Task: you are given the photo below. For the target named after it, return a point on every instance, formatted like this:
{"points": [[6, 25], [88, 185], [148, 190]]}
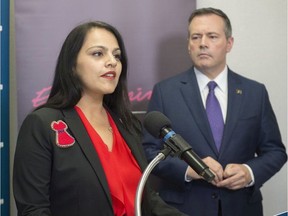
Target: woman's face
{"points": [[98, 63]]}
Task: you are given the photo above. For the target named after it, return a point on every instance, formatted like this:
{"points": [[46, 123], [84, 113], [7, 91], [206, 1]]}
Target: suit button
{"points": [[214, 196]]}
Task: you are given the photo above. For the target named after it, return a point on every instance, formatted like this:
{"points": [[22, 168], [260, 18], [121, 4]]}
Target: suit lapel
{"points": [[192, 98], [235, 97], [79, 132]]}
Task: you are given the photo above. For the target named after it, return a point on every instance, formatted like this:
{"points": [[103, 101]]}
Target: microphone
{"points": [[158, 125]]}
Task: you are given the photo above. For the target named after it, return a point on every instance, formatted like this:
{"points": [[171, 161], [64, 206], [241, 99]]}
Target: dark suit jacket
{"points": [[251, 128], [49, 180]]}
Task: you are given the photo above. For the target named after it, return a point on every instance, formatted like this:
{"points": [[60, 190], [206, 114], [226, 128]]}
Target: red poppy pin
{"points": [[63, 138]]}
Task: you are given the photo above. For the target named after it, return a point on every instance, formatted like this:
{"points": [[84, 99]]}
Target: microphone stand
{"points": [[161, 156]]}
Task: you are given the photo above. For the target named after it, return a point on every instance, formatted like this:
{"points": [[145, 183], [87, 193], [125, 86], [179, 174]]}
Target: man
{"points": [[243, 147]]}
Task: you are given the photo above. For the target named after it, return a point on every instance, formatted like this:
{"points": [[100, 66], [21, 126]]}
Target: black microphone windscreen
{"points": [[154, 121]]}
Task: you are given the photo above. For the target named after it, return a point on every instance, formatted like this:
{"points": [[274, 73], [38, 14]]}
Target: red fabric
{"points": [[121, 169]]}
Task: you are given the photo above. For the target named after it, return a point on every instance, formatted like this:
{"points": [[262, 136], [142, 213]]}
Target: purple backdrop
{"points": [[154, 32]]}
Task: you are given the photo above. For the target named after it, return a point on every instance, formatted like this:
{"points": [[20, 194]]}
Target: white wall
{"points": [[260, 53]]}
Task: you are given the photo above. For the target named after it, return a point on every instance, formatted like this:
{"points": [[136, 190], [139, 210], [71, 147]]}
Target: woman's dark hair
{"points": [[218, 12], [66, 89]]}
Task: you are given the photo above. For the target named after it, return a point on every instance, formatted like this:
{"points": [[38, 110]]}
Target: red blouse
{"points": [[121, 169]]}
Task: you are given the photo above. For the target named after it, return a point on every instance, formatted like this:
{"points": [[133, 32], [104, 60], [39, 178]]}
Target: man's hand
{"points": [[235, 176], [214, 166]]}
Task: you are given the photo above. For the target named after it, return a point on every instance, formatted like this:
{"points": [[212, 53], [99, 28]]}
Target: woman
{"points": [[80, 153]]}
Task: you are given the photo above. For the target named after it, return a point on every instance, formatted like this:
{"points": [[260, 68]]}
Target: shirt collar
{"points": [[221, 80]]}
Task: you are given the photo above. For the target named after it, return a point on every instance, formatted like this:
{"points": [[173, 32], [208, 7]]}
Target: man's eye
{"points": [[195, 37]]}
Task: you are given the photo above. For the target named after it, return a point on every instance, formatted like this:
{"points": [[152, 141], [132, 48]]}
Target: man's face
{"points": [[208, 45]]}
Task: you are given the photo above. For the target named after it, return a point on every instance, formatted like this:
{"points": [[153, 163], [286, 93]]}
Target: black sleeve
{"points": [[32, 168]]}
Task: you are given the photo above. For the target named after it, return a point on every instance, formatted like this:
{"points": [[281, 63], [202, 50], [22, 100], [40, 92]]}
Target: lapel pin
{"points": [[63, 138], [239, 91]]}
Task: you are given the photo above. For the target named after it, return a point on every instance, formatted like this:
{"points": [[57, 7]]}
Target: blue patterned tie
{"points": [[214, 114]]}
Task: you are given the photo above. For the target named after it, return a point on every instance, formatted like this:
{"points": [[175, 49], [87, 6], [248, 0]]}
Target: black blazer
{"points": [[50, 180]]}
